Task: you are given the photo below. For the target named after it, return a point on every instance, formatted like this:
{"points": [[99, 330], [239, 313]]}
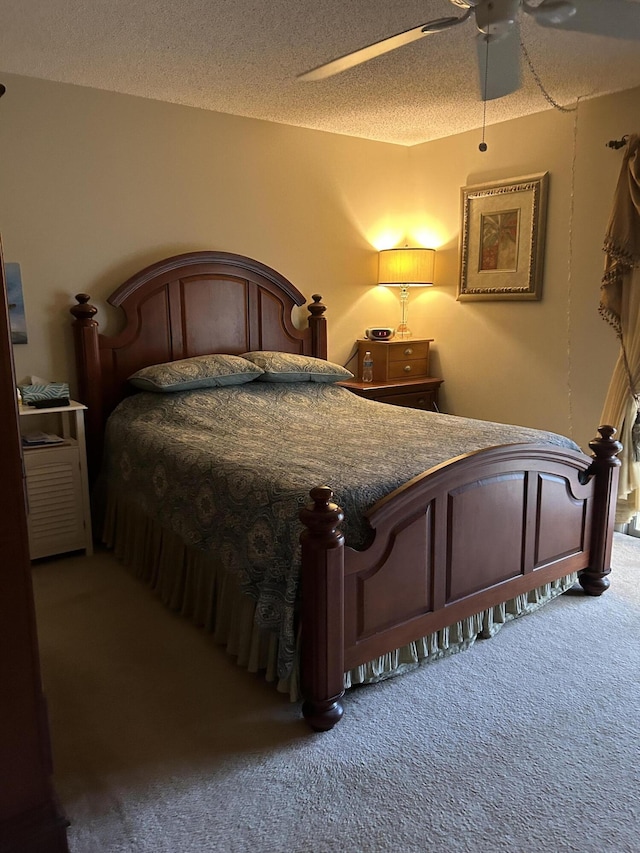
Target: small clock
{"points": [[380, 333]]}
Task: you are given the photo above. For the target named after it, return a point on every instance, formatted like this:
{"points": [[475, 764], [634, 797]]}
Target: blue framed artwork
{"points": [[17, 317]]}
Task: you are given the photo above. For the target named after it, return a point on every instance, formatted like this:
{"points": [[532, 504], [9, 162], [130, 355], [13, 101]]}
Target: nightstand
{"points": [[419, 393], [59, 513]]}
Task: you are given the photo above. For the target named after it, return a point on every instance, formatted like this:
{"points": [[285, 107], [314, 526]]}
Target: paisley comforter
{"points": [[228, 469]]}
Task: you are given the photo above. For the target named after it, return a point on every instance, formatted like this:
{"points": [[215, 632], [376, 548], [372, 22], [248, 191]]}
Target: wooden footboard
{"points": [[461, 538]]}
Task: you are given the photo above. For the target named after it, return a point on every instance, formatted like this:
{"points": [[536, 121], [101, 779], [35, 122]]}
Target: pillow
{"points": [[201, 371], [287, 367]]}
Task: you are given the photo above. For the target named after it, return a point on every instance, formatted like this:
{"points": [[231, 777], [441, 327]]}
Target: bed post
{"points": [[318, 325], [605, 469], [85, 334], [322, 612]]}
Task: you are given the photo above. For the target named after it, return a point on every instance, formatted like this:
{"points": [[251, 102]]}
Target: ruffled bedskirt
{"points": [[195, 584]]}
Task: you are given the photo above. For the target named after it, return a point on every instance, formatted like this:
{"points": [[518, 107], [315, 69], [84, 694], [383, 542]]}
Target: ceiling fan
{"points": [[498, 37]]}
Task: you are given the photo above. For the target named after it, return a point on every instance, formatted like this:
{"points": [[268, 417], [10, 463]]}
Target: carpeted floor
{"points": [[526, 743]]}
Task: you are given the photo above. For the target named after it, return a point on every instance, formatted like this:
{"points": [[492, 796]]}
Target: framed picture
{"points": [[502, 239], [17, 317]]}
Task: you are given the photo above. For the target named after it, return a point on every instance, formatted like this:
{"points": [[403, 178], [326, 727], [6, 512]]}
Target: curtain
{"points": [[620, 306]]}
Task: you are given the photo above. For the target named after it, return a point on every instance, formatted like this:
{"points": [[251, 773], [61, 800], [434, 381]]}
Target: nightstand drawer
{"points": [[419, 393], [420, 400], [409, 368], [407, 350]]}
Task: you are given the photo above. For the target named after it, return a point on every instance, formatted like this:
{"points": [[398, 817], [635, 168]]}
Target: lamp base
{"points": [[403, 330]]}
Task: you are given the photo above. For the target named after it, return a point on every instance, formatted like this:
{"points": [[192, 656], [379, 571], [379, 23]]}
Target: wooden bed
{"points": [[462, 537]]}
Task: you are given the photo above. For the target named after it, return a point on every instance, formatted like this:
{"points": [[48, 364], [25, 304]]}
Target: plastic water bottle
{"points": [[367, 367]]}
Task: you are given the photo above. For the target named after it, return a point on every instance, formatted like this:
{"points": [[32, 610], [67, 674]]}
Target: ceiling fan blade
{"points": [[613, 18], [378, 48], [498, 64]]}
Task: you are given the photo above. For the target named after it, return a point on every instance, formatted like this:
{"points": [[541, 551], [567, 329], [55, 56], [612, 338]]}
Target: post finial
{"points": [[83, 311], [316, 308], [605, 446], [323, 517]]}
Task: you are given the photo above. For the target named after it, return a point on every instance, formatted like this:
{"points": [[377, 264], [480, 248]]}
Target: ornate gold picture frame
{"points": [[502, 239]]}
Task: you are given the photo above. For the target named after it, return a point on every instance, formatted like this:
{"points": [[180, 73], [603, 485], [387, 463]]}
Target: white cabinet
{"points": [[59, 513]]}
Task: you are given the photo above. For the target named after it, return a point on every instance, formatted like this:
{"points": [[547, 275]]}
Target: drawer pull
{"points": [[407, 368], [408, 351]]}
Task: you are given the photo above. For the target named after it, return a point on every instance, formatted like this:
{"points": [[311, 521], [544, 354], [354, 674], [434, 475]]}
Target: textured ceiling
{"points": [[242, 57]]}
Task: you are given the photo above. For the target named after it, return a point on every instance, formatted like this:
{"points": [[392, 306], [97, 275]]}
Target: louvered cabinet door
{"points": [[59, 512], [56, 518]]}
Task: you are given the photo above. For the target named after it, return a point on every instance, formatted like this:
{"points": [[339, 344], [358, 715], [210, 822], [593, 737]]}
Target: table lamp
{"points": [[405, 268]]}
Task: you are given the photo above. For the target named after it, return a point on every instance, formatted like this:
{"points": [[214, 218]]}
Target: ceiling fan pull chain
{"points": [[483, 145], [536, 77]]}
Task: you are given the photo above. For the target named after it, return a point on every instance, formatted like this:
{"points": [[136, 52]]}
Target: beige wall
{"points": [[95, 186], [548, 363]]}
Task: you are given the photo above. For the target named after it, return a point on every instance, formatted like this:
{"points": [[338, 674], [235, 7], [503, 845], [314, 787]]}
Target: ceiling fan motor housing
{"points": [[496, 17]]}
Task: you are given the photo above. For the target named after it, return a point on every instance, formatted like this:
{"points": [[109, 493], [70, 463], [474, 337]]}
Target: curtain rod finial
{"points": [[618, 143]]}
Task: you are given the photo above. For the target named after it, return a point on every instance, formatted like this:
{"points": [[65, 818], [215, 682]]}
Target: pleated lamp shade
{"points": [[406, 266]]}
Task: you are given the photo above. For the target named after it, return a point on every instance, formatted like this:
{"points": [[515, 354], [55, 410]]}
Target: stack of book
{"points": [[40, 439]]}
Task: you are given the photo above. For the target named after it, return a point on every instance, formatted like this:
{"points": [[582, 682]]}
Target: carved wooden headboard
{"points": [[186, 305]]}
